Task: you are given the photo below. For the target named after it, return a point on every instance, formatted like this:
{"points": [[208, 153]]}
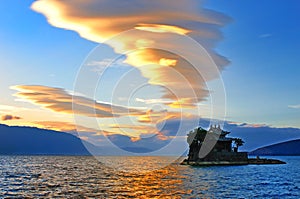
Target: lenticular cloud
{"points": [[155, 23]]}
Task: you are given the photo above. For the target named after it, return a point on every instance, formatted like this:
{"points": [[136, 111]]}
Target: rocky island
{"points": [[222, 150]]}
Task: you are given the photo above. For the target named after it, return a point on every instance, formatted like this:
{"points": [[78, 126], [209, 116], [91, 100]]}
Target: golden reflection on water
{"points": [[137, 164], [164, 183], [148, 177], [85, 177]]}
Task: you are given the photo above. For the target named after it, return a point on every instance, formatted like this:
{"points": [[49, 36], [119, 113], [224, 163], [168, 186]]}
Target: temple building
{"points": [[225, 148], [218, 149]]}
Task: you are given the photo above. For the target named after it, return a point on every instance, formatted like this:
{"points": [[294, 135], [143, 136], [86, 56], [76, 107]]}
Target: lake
{"points": [[85, 177]]}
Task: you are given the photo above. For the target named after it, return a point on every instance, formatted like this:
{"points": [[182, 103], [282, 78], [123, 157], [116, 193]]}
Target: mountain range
{"points": [[284, 148], [16, 140]]}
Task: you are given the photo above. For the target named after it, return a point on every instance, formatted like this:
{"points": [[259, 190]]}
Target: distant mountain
{"points": [[284, 148], [16, 140]]}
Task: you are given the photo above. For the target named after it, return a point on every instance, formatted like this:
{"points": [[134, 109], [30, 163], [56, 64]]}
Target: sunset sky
{"points": [[254, 45]]}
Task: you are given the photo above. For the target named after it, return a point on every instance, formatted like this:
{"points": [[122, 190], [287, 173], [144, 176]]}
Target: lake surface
{"points": [[85, 177]]}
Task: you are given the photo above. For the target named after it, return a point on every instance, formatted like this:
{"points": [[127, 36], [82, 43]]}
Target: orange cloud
{"points": [[63, 126], [136, 127], [162, 28], [135, 139], [135, 130], [155, 24], [154, 117], [59, 100], [10, 117], [99, 20]]}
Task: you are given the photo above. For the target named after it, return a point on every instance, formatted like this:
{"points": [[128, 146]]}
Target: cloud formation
{"points": [[265, 35], [294, 106], [155, 117], [155, 24], [10, 117], [64, 126], [254, 135], [59, 100]]}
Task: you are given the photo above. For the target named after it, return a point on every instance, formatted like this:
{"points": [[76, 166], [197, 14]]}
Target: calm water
{"points": [[85, 177]]}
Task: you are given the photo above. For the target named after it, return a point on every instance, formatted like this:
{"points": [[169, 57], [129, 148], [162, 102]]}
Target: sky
{"points": [[244, 68]]}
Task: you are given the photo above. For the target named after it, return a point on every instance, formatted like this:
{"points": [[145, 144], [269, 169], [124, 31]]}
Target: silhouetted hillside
{"points": [[34, 141], [284, 148]]}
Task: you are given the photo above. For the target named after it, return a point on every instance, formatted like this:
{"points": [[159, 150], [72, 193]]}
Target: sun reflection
{"points": [[162, 183]]}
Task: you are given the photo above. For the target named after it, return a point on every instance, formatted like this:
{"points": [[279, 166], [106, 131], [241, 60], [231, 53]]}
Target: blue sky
{"points": [[263, 45], [261, 82]]}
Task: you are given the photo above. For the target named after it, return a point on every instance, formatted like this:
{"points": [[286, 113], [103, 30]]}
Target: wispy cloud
{"points": [[64, 126], [154, 117], [101, 65], [10, 117], [5, 108], [245, 125], [153, 101], [100, 20], [294, 106], [265, 35], [59, 100]]}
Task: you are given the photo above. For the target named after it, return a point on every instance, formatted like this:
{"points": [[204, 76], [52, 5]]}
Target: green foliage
{"points": [[196, 135], [238, 141]]}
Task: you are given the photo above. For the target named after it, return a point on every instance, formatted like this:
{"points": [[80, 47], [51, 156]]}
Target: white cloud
{"points": [[102, 65], [265, 35], [294, 106]]}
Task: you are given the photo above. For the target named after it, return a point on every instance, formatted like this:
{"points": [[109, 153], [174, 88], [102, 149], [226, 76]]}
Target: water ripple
{"points": [[85, 177]]}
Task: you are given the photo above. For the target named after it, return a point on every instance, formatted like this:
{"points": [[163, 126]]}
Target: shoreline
{"points": [[253, 161]]}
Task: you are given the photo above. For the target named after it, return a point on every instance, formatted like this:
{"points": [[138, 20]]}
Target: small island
{"points": [[224, 152]]}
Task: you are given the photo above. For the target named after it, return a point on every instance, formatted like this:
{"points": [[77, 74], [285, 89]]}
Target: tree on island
{"points": [[238, 142], [215, 135], [197, 135]]}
